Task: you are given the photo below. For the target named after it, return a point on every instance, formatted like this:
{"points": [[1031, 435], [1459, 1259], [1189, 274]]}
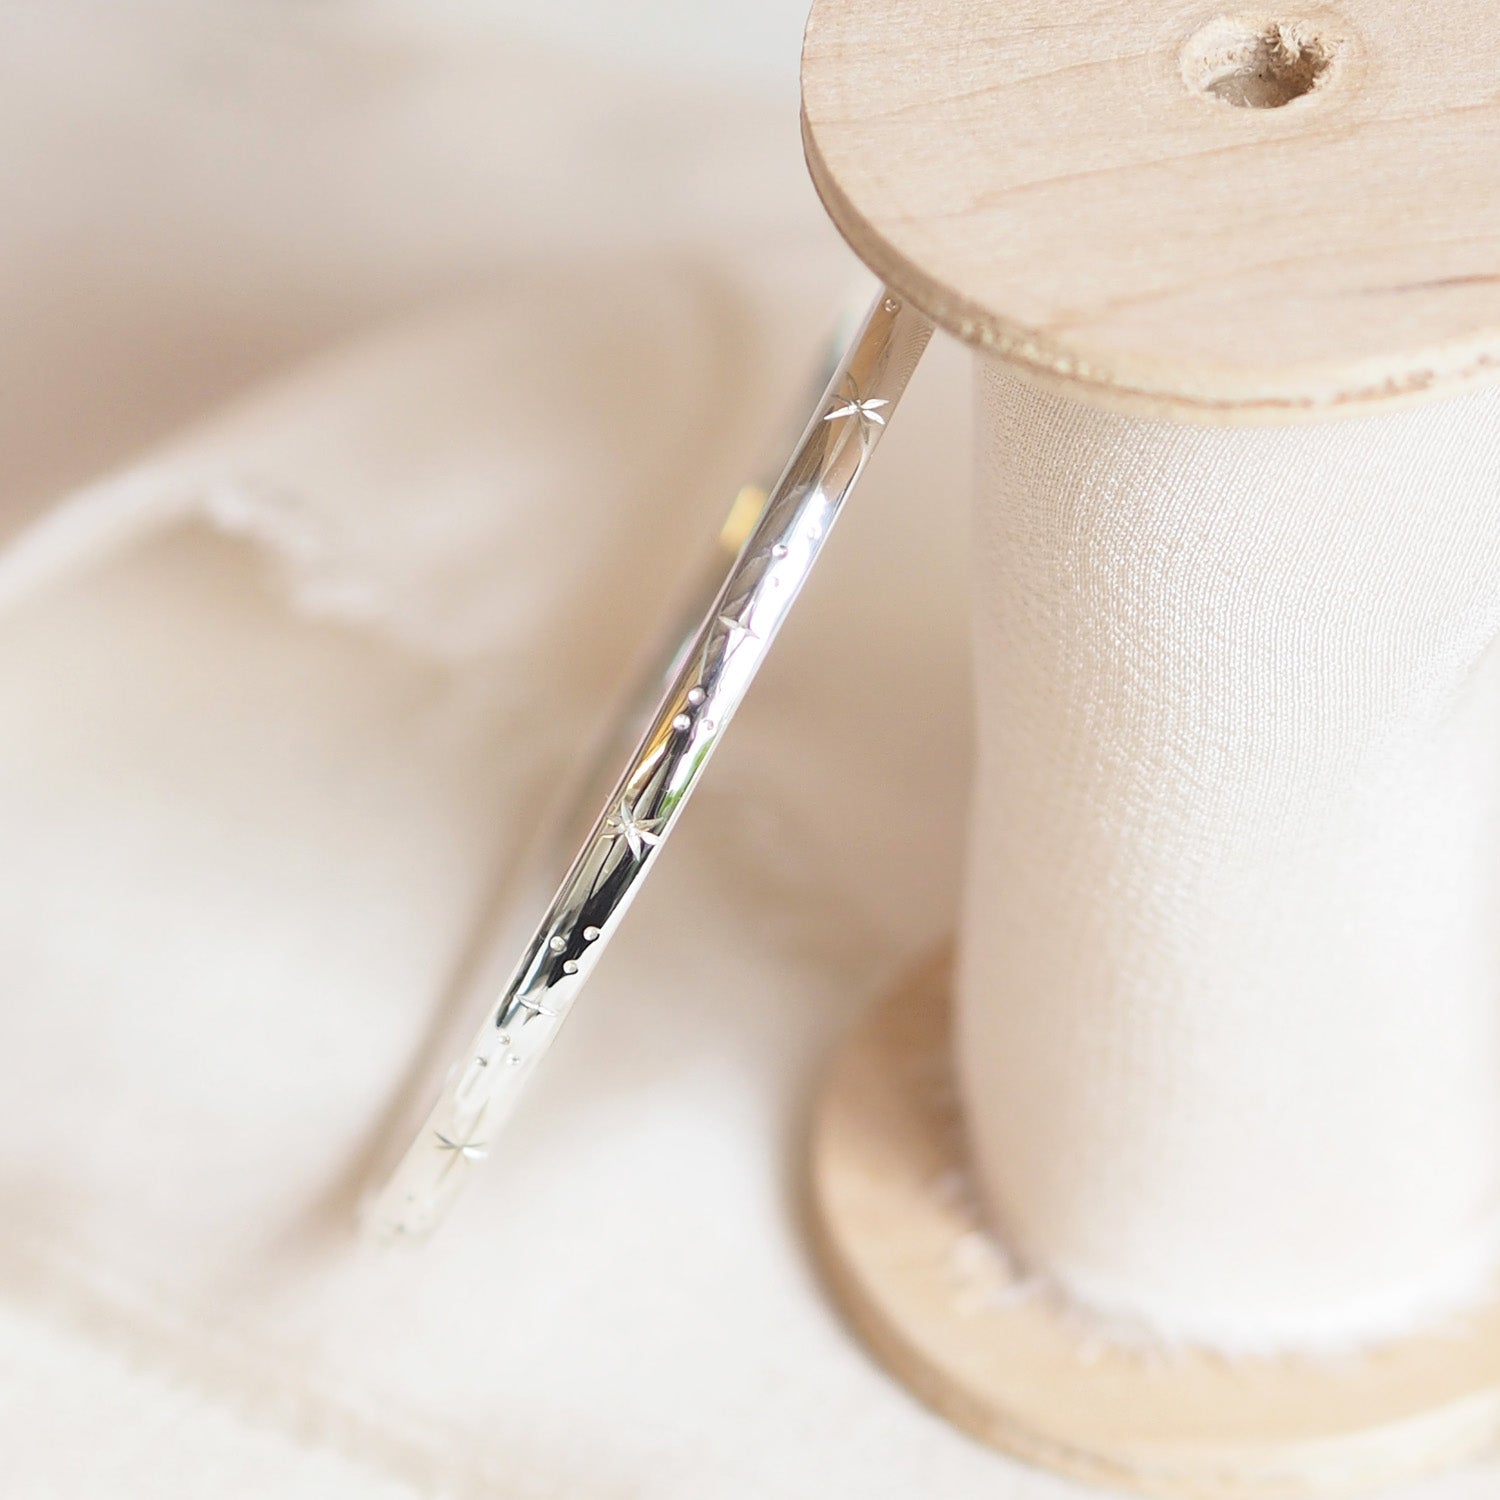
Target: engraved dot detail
{"points": [[779, 550], [557, 944], [696, 696], [682, 722], [571, 966], [590, 934]]}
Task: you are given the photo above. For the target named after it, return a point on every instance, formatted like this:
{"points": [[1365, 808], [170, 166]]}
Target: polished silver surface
{"points": [[710, 669]]}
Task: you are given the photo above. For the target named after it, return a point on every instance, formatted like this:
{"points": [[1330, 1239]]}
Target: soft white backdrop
{"points": [[358, 363], [756, 43]]}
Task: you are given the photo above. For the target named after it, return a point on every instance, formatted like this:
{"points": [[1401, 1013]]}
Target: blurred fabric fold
{"points": [[369, 383]]}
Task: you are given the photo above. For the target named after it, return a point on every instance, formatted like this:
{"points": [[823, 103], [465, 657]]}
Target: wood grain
{"points": [[934, 1299], [1066, 184]]}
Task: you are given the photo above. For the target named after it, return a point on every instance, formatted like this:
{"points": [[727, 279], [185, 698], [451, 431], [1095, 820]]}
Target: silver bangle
{"points": [[705, 682]]}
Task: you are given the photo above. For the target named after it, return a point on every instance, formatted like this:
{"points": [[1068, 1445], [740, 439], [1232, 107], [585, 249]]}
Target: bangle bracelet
{"points": [[705, 682]]}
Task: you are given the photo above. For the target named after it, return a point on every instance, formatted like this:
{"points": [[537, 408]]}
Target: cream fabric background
{"points": [[319, 462], [355, 363]]}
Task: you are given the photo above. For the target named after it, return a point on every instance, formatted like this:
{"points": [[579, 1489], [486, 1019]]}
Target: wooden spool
{"points": [[1231, 217], [1068, 185]]}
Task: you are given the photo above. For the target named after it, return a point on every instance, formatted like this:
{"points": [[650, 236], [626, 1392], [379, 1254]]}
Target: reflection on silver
{"points": [[704, 685]]}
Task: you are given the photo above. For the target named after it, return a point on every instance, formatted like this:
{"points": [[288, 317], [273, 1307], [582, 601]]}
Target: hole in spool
{"points": [[1254, 63]]}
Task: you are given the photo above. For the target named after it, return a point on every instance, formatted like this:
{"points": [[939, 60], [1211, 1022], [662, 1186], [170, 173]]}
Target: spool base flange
{"points": [[936, 1301]]}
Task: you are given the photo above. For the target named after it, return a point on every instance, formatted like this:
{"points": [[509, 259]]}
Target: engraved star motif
{"points": [[467, 1149], [626, 823], [533, 1008], [737, 627], [864, 409]]}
